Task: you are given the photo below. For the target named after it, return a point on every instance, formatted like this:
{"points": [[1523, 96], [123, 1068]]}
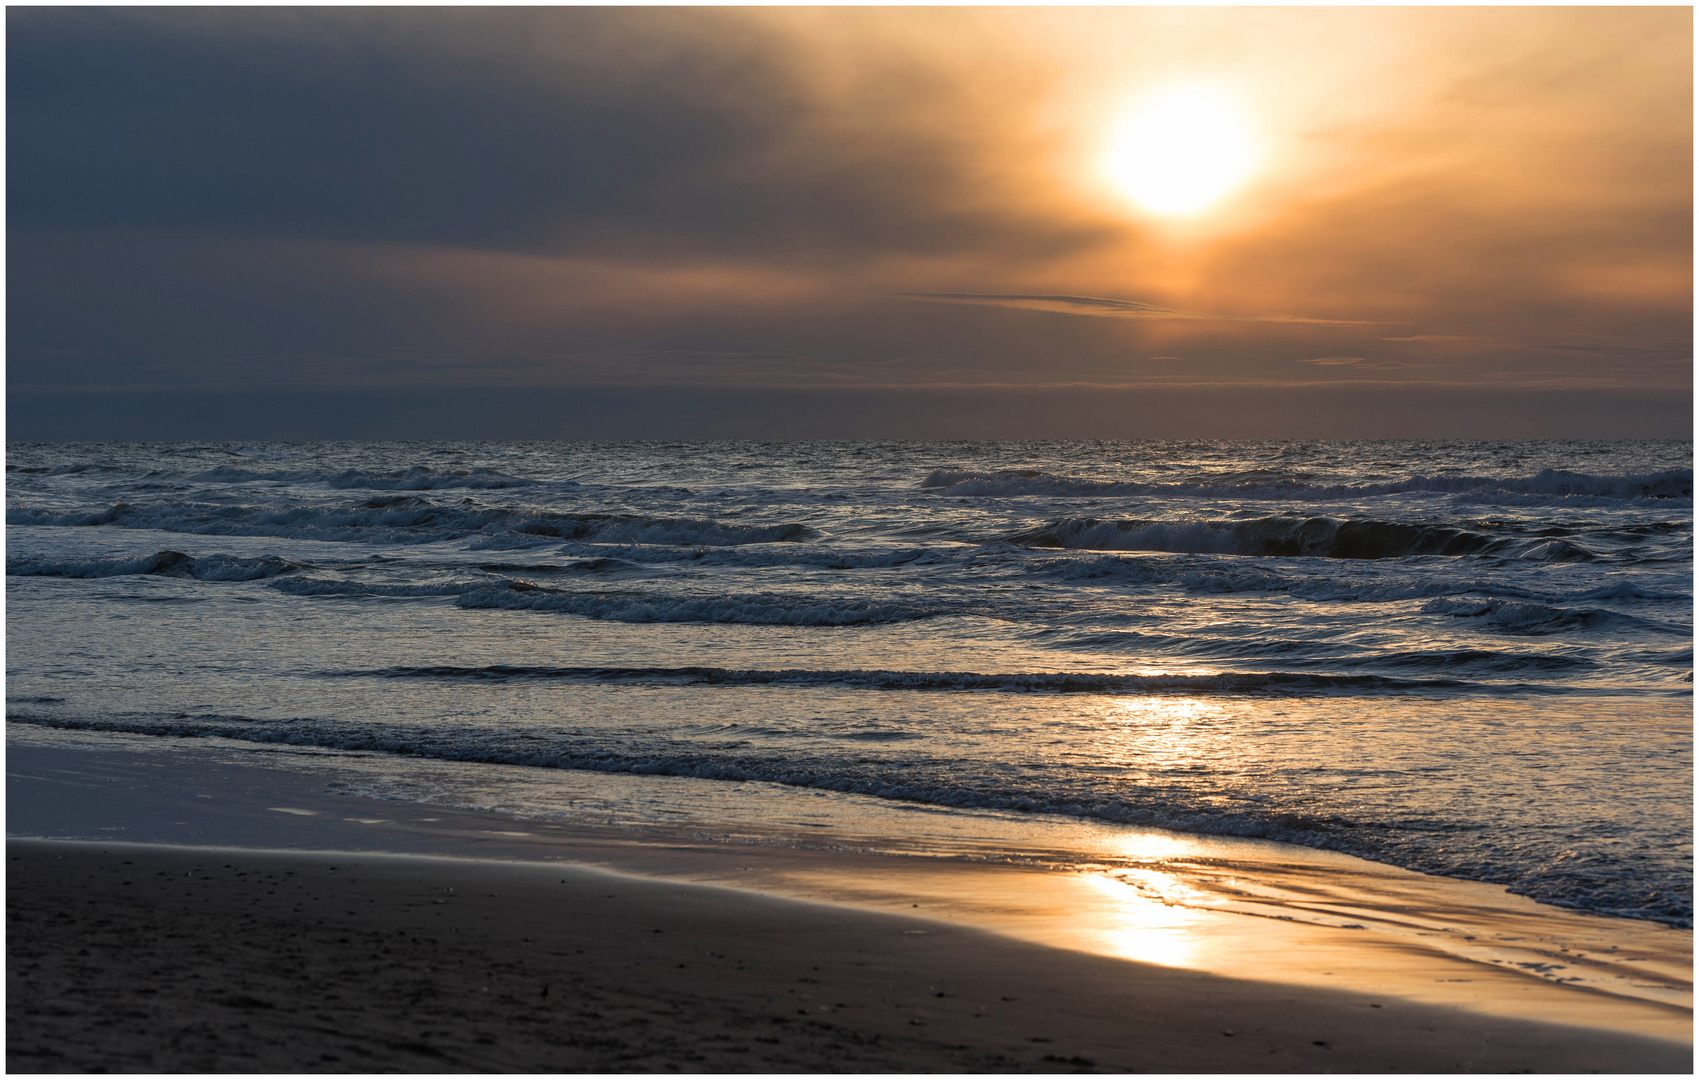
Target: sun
{"points": [[1180, 150]]}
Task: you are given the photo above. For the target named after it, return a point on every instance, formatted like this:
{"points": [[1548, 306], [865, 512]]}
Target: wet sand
{"points": [[150, 958], [173, 907]]}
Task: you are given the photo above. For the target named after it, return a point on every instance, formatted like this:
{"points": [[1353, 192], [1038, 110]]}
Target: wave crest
{"points": [[1527, 616], [161, 563], [762, 609], [416, 478], [1066, 682], [1274, 536], [1551, 483], [416, 520]]}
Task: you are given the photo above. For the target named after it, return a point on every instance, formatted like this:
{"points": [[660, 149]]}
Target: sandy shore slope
{"points": [[145, 958]]}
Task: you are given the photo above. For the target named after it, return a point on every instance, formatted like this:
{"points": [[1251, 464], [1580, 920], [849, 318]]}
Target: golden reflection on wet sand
{"points": [[1140, 928], [1243, 908], [1489, 952]]}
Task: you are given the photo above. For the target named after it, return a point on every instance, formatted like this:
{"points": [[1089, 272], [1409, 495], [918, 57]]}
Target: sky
{"points": [[849, 222]]}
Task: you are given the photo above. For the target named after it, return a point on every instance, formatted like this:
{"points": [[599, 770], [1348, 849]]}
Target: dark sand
{"points": [[169, 959]]}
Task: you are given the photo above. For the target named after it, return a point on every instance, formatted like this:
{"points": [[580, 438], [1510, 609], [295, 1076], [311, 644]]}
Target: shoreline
{"points": [[1279, 932], [238, 960]]}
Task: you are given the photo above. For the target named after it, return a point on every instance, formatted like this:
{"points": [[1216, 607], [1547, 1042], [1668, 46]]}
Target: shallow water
{"points": [[1466, 658]]}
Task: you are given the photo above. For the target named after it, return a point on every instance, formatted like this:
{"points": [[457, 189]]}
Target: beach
{"points": [[160, 959], [395, 938]]}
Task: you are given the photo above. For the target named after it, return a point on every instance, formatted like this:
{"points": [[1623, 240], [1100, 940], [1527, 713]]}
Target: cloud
{"points": [[458, 197], [1673, 351], [540, 130], [1359, 363], [1444, 338], [1108, 308], [1635, 349]]}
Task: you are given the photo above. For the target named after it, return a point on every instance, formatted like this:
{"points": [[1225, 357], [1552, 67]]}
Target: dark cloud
{"points": [[526, 129], [419, 126]]}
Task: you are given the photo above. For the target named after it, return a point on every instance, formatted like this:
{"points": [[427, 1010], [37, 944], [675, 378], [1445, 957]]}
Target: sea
{"points": [[1470, 659]]}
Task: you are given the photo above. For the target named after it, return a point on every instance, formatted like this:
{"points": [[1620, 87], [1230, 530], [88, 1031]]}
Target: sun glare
{"points": [[1181, 150]]}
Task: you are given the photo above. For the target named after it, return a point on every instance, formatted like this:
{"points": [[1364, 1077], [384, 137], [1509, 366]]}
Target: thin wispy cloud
{"points": [[1105, 307], [1362, 363], [1446, 339], [1674, 352]]}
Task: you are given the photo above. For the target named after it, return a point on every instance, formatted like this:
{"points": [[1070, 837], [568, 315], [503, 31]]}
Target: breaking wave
{"points": [[161, 563], [790, 555], [1531, 617], [417, 478], [1071, 682], [1552, 483], [302, 586], [414, 520], [1274, 536], [762, 609], [1220, 578]]}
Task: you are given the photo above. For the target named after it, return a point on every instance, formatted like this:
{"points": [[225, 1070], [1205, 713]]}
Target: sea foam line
{"points": [[1264, 682]]}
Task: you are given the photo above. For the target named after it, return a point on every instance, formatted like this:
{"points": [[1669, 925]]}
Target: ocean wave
{"points": [[599, 558], [510, 541], [672, 532], [761, 609], [1150, 570], [1530, 617], [161, 563], [416, 478], [1066, 682], [1269, 537], [1549, 483], [62, 470], [798, 555], [1388, 585], [301, 586], [1663, 657], [1630, 590], [600, 564], [414, 520], [1486, 660]]}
